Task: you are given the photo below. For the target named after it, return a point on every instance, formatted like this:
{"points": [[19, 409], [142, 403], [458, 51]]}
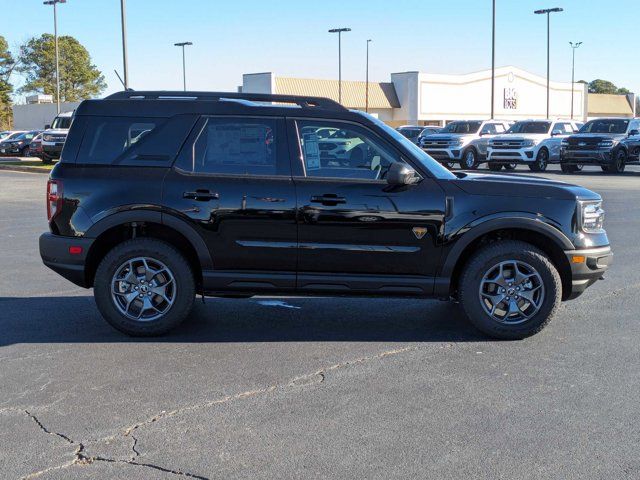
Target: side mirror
{"points": [[401, 174], [47, 126], [556, 133], [634, 132]]}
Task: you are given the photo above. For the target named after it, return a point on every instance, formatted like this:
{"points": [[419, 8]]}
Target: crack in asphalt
{"points": [[314, 378]]}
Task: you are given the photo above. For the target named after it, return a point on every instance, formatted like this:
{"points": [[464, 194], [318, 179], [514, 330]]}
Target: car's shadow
{"points": [[76, 320]]}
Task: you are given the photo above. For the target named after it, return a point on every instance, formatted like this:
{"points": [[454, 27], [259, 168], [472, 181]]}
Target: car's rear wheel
{"points": [[510, 289], [144, 287], [469, 159], [541, 161], [495, 167]]}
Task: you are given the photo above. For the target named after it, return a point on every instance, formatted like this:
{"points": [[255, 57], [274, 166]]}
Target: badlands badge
{"points": [[419, 232]]}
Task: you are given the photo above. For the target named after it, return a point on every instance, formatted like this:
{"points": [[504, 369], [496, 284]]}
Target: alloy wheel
{"points": [[511, 292], [143, 289]]}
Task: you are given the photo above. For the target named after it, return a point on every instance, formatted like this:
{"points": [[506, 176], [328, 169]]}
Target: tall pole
{"points": [[184, 69], [55, 36], [548, 11], [123, 15], [339, 32], [493, 59], [366, 101], [573, 69]]}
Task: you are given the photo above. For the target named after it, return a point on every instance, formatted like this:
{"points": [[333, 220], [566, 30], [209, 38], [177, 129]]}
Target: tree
{"points": [[79, 79], [605, 86], [6, 89]]}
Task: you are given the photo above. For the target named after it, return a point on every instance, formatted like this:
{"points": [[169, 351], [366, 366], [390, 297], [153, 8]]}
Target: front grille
{"points": [[56, 138], [506, 144], [437, 143]]}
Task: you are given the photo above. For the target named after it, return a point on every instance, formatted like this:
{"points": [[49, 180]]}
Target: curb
{"points": [[19, 168]]}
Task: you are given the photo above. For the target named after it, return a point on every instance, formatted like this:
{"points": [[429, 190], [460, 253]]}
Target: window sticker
{"points": [[311, 151]]}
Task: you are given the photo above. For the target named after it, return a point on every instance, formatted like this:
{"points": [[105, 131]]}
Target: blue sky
{"points": [[289, 37]]}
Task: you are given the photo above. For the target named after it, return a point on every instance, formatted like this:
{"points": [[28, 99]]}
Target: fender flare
{"points": [[481, 227], [154, 216]]}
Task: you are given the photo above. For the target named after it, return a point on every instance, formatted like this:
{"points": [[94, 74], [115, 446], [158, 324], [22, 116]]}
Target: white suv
{"points": [[463, 141], [54, 136], [535, 143]]}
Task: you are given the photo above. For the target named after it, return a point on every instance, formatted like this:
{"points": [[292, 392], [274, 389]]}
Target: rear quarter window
{"points": [[107, 139]]}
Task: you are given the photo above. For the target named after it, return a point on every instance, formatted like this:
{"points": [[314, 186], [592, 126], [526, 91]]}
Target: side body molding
{"points": [[155, 216]]}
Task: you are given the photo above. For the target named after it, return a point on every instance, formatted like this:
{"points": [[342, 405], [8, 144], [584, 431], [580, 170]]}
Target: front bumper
{"points": [[445, 154], [52, 149], [11, 151], [593, 157], [587, 267], [521, 155], [54, 250]]}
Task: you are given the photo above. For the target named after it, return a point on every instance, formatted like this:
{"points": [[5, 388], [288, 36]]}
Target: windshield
{"points": [[605, 126], [25, 136], [410, 132], [61, 122], [430, 131], [13, 136], [417, 153], [462, 127], [530, 127]]}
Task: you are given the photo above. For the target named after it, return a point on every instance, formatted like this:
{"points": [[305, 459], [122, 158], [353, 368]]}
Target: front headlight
{"points": [[605, 144], [564, 143], [591, 216], [530, 143], [458, 141], [46, 138]]}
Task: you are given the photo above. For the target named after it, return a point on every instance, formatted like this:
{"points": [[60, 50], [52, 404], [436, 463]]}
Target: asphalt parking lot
{"points": [[316, 388]]}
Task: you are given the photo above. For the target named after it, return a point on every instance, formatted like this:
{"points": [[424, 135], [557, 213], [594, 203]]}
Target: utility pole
{"points": [[339, 32], [123, 16], [573, 69], [184, 70], [546, 12], [493, 59], [366, 101], [55, 36]]}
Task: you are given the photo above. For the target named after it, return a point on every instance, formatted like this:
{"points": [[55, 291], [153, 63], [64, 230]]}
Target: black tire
{"points": [[25, 151], [485, 260], [567, 168], [541, 161], [46, 159], [449, 165], [156, 250], [619, 161], [495, 167], [469, 159], [604, 168], [510, 166]]}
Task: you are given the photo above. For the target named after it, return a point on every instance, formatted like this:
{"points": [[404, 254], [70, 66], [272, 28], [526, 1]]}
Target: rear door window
{"points": [[107, 138]]}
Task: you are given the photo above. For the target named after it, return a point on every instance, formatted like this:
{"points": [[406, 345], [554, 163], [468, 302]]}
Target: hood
{"points": [[591, 138], [56, 131], [448, 136], [520, 136], [521, 186]]}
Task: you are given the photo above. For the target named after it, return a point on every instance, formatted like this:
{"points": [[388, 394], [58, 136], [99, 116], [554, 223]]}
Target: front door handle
{"points": [[328, 199], [201, 195]]}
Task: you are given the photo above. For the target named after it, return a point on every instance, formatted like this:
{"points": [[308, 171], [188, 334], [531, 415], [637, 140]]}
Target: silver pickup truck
{"points": [[463, 141]]}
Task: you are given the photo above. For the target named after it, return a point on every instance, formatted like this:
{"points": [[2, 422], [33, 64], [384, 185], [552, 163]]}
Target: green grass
{"points": [[30, 163]]}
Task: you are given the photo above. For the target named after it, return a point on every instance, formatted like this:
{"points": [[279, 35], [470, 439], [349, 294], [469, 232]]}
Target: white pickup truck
{"points": [[535, 143]]}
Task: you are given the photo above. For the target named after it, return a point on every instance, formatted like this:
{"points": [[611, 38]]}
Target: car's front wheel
{"points": [[144, 287], [469, 159], [541, 161], [510, 289]]}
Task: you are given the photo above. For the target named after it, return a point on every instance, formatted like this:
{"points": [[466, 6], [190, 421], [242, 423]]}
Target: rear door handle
{"points": [[201, 195], [328, 199]]}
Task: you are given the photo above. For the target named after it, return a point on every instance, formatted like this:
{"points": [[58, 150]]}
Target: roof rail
{"points": [[301, 101]]}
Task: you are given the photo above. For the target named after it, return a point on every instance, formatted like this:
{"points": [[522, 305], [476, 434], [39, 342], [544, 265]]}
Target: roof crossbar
{"points": [[301, 101]]}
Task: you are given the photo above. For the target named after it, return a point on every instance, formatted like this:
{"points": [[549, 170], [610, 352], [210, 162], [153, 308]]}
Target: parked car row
{"points": [[610, 143], [17, 143]]}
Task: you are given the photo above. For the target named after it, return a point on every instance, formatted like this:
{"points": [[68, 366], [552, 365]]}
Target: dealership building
{"points": [[420, 98]]}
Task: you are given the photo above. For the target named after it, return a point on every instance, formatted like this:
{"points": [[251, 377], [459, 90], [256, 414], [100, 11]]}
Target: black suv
{"points": [[604, 142], [160, 196]]}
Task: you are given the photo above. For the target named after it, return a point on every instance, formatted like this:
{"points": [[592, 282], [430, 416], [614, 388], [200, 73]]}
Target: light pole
{"points": [[184, 74], [123, 16], [573, 69], [339, 32], [55, 36], [493, 57], [547, 12], [366, 100]]}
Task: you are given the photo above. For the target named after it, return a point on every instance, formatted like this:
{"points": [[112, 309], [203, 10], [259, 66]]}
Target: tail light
{"points": [[54, 198]]}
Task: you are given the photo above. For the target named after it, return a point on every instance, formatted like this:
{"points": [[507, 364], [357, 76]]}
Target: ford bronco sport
{"points": [[160, 196]]}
